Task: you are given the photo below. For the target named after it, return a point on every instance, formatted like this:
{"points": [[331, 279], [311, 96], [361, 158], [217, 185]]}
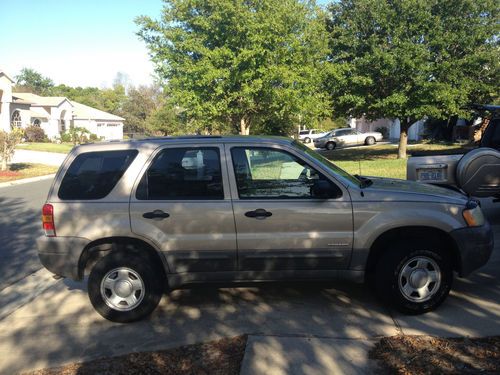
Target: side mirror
{"points": [[323, 189]]}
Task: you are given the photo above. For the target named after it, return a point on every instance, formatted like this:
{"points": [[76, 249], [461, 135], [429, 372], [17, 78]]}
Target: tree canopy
{"points": [[410, 59], [230, 64], [32, 81]]}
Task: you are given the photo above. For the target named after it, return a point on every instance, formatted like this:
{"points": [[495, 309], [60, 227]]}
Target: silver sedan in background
{"points": [[346, 137]]}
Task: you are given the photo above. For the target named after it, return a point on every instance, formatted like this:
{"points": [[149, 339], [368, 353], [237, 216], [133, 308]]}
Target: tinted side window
{"points": [[263, 173], [183, 173], [93, 175]]}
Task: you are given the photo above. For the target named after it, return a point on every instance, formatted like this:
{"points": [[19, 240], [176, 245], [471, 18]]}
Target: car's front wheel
{"points": [[125, 287], [307, 140], [414, 279]]}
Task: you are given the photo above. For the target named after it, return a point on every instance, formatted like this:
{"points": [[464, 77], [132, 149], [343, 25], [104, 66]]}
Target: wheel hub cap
{"points": [[122, 289], [419, 279]]}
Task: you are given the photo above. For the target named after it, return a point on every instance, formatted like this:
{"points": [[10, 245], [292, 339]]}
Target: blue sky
{"points": [[77, 42]]}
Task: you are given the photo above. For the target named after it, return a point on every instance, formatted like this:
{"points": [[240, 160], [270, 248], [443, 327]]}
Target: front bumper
{"points": [[61, 255], [475, 245]]}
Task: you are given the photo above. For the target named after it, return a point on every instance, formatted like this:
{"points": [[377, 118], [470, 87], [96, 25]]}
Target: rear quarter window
{"points": [[93, 175]]}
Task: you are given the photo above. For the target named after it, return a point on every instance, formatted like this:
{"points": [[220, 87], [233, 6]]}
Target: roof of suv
{"points": [[157, 141]]}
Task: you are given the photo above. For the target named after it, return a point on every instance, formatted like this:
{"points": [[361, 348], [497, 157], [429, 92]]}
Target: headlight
{"points": [[473, 214]]}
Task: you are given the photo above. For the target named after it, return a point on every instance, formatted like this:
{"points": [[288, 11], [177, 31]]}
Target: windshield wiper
{"points": [[363, 181]]}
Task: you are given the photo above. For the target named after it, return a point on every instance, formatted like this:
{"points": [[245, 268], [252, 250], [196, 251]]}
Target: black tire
{"points": [[370, 141], [152, 278], [307, 140], [330, 146], [390, 269]]}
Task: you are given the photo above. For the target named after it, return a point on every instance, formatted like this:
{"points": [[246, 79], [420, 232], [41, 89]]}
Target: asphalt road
{"points": [[20, 225]]}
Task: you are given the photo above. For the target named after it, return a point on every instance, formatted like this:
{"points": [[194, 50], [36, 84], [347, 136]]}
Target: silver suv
{"points": [[144, 217]]}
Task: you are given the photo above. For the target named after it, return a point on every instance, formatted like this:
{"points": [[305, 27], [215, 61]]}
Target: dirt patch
{"points": [[220, 357], [431, 355]]}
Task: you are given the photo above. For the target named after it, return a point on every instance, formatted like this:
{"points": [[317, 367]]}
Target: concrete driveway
{"points": [[292, 328]]}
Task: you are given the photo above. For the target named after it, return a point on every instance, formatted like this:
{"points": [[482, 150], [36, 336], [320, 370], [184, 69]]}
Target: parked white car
{"points": [[346, 137], [308, 135]]}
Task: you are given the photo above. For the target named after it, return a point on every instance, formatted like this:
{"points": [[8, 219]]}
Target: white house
{"points": [[54, 114], [415, 132]]}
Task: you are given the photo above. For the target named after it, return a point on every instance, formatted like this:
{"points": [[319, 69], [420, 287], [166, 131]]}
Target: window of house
{"points": [[265, 173], [15, 120], [93, 175], [183, 174], [36, 122]]}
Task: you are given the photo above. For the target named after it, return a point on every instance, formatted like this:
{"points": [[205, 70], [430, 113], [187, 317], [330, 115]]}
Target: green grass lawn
{"points": [[46, 146], [18, 171], [381, 160]]}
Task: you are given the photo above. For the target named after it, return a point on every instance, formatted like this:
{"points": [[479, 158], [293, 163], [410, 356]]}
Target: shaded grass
{"points": [[433, 355], [381, 160], [18, 171], [218, 357], [63, 148]]}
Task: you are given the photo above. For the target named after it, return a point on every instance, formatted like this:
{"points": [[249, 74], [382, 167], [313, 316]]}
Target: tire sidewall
{"points": [[370, 141], [388, 285], [330, 144], [150, 277]]}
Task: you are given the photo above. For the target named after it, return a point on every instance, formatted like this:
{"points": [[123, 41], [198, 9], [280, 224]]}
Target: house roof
{"points": [[39, 113], [84, 112], [41, 101], [2, 73]]}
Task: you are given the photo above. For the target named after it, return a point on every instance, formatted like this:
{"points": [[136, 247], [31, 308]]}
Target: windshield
{"points": [[327, 163]]}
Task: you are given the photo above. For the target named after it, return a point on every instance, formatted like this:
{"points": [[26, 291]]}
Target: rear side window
{"points": [[93, 175], [183, 174]]}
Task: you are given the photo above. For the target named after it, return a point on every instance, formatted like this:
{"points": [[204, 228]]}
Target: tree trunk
{"points": [[244, 126], [4, 156], [403, 138]]}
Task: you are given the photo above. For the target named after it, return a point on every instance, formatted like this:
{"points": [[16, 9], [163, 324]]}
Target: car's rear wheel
{"points": [[125, 287], [369, 141], [330, 146], [414, 278], [307, 140]]}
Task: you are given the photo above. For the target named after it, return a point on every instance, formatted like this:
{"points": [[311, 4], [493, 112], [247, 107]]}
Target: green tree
{"points": [[33, 81], [230, 64], [141, 102], [409, 59]]}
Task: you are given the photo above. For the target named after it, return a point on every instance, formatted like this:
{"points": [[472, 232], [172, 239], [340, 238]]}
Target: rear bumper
{"points": [[61, 255], [474, 245]]}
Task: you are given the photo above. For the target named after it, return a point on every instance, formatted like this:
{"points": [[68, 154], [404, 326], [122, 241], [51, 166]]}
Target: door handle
{"points": [[258, 213], [156, 214]]}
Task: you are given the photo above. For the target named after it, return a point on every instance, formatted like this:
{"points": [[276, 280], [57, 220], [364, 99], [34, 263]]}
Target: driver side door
{"points": [[280, 224]]}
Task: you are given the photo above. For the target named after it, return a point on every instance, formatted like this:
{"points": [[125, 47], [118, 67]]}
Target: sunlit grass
{"points": [[46, 146], [381, 160], [18, 171]]}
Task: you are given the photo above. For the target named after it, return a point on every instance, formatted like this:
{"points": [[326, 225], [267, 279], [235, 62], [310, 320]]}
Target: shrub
{"points": [[65, 137], [8, 142], [35, 134], [93, 137], [384, 131]]}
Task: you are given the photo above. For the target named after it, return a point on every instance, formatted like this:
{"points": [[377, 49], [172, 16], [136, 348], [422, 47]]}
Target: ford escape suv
{"points": [[144, 217]]}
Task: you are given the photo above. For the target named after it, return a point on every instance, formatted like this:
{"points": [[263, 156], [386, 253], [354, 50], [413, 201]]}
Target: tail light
{"points": [[48, 220]]}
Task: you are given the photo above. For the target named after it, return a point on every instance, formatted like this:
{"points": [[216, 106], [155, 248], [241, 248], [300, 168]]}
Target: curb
{"points": [[26, 180], [24, 291]]}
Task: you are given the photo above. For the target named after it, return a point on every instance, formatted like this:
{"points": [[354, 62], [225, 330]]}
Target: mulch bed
{"points": [[219, 357], [431, 355]]}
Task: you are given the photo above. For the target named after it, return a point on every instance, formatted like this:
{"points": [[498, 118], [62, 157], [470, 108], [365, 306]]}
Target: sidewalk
{"points": [[41, 157]]}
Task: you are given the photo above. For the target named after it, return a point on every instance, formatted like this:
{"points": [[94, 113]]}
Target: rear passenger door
{"points": [[181, 203]]}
